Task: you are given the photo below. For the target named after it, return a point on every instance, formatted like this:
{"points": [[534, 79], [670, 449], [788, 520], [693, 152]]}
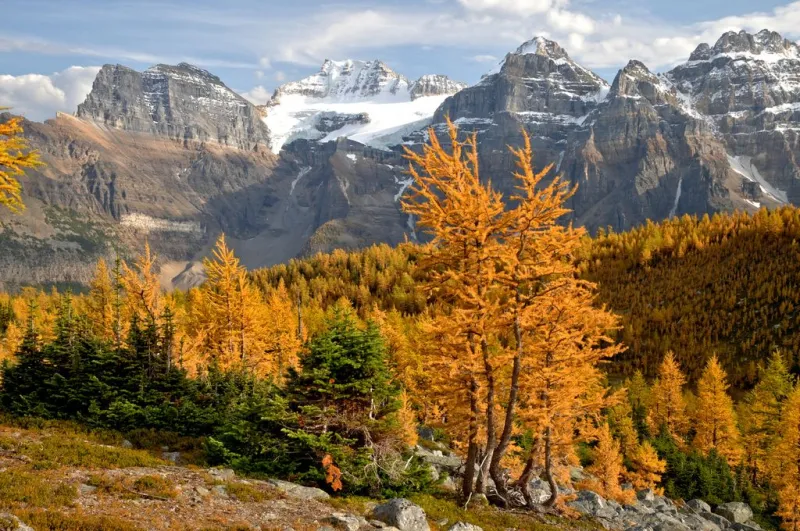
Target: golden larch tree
{"points": [[142, 286], [715, 420], [15, 158], [607, 468], [760, 413], [466, 219], [784, 462], [100, 302], [667, 403], [646, 468]]}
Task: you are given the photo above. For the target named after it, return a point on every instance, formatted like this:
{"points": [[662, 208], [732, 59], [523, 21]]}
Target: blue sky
{"points": [[50, 49]]}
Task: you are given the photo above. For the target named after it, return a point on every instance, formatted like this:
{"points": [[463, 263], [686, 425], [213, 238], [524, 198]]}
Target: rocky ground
{"points": [[57, 477]]}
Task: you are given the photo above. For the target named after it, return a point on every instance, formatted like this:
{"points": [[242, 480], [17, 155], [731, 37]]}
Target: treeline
{"points": [[502, 332]]}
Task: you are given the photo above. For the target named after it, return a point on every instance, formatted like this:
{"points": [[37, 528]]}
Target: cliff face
{"points": [[715, 133], [180, 102]]}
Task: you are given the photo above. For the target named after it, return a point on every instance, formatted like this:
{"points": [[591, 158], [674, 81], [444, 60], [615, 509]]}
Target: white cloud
{"points": [[494, 27], [280, 76], [39, 97], [258, 95], [517, 7], [484, 58]]}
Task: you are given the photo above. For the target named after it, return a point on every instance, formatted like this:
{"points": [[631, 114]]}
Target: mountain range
{"points": [[174, 156]]}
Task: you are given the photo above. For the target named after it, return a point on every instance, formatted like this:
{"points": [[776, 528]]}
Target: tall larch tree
{"points": [[100, 302], [607, 468], [15, 158], [466, 220], [760, 413], [142, 286], [535, 264], [784, 462], [667, 403], [234, 319], [715, 420]]}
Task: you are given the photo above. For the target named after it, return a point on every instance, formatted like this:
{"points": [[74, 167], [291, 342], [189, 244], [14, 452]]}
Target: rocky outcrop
{"points": [[434, 85], [180, 102], [402, 514], [653, 512]]}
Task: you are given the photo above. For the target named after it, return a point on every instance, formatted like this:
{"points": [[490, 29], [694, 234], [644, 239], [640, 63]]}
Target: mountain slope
{"points": [[174, 155]]}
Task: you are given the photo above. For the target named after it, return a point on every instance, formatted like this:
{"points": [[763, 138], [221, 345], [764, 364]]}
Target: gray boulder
{"points": [[348, 522], [592, 504], [735, 512], [698, 506], [646, 495], [463, 526], [698, 523], [299, 491], [720, 521], [402, 514], [750, 526]]}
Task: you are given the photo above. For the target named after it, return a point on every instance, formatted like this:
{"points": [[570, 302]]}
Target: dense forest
{"points": [[662, 358]]}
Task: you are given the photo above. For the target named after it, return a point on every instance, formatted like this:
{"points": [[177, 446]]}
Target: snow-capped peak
{"points": [[349, 80], [765, 45], [363, 100], [542, 46]]}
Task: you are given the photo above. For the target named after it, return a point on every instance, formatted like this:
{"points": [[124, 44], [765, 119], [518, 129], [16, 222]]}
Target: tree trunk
{"points": [[548, 469], [468, 480], [508, 425], [524, 481], [491, 438]]}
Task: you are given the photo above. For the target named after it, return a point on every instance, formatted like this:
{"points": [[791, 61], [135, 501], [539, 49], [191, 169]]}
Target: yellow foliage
{"points": [[667, 404], [15, 157], [715, 421], [607, 468]]}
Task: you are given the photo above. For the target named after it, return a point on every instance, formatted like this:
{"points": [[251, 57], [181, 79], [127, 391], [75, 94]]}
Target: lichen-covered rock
{"points": [[698, 506], [402, 514], [463, 526], [735, 512], [299, 491]]}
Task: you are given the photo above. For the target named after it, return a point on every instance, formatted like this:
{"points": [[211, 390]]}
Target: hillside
{"points": [[725, 285]]}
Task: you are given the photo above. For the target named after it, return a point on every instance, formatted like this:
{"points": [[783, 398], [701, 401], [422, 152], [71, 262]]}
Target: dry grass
{"points": [[17, 486], [52, 451], [42, 520], [246, 492]]}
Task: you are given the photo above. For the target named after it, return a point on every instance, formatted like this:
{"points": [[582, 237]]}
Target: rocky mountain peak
{"points": [[181, 101], [435, 85], [366, 101], [765, 45], [347, 80], [635, 80], [542, 46]]}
